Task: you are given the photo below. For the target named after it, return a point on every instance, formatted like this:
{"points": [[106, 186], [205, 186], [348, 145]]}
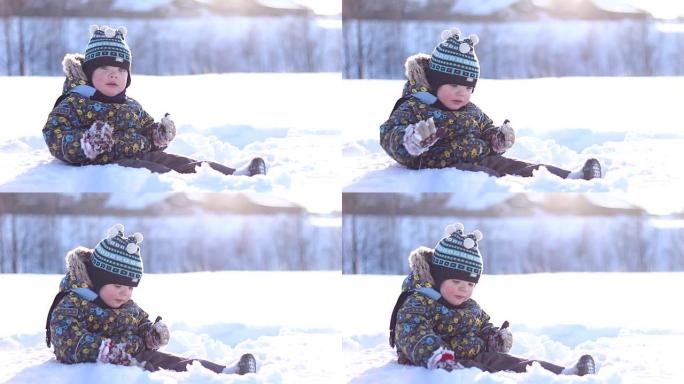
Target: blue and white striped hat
{"points": [[116, 259], [453, 61], [107, 47], [457, 256]]}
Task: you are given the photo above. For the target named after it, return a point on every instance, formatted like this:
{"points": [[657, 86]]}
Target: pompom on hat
{"points": [[457, 256], [116, 259], [107, 47], [453, 61]]}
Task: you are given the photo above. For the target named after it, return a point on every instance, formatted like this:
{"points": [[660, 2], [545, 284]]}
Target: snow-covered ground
{"points": [[229, 118], [629, 322], [288, 320], [320, 134], [314, 327], [631, 124]]}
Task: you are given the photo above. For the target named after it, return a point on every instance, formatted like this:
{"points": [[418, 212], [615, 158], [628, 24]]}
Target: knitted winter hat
{"points": [[107, 46], [457, 256], [116, 259], [453, 61]]}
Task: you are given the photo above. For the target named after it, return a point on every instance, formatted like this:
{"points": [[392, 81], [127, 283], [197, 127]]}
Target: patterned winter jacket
{"points": [[425, 322], [78, 325], [467, 131], [76, 112]]}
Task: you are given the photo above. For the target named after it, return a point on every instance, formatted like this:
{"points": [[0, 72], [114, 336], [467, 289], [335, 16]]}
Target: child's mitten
{"points": [[97, 139], [503, 138], [443, 359], [164, 132], [157, 336], [501, 340], [419, 137], [114, 353]]}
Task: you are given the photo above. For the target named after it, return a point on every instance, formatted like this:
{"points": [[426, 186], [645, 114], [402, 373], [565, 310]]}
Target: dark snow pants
{"points": [[155, 360], [495, 361], [162, 162], [498, 166]]}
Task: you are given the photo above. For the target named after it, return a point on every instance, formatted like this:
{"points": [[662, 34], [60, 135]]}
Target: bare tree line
{"points": [[381, 244], [36, 45], [378, 49], [31, 243]]}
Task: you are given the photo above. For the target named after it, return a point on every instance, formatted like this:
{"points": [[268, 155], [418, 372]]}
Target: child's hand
{"points": [[419, 137], [501, 340], [114, 353], [443, 359], [164, 132], [97, 139], [157, 336], [504, 138]]}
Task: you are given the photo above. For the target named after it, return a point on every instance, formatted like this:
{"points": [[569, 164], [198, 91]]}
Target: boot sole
{"points": [[247, 364], [586, 366]]}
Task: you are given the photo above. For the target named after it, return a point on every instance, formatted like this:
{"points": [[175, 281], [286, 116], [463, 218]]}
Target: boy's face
{"points": [[110, 80], [115, 295], [455, 292], [454, 96]]}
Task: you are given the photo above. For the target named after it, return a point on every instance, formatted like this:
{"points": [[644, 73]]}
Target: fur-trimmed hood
{"points": [[416, 74], [419, 263], [77, 274], [72, 66], [416, 69]]}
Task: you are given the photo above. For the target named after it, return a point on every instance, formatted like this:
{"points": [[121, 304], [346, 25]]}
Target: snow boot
{"points": [[247, 364], [585, 365], [256, 166], [591, 169]]}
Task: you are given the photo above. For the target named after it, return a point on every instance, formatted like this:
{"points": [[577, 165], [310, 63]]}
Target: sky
{"points": [[323, 7], [666, 9], [661, 8]]}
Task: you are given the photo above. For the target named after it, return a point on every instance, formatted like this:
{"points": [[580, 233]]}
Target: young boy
{"points": [[94, 122], [435, 323], [434, 124], [93, 319]]}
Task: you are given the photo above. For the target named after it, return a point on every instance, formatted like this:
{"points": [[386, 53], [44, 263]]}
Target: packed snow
{"points": [[286, 319], [631, 124], [228, 118], [627, 321]]}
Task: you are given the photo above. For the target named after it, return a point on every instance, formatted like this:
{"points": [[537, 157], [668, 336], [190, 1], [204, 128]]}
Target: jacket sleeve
{"points": [[148, 126], [471, 140], [488, 129], [62, 133], [134, 138], [73, 343], [467, 341], [414, 335], [392, 131], [144, 326], [487, 330]]}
